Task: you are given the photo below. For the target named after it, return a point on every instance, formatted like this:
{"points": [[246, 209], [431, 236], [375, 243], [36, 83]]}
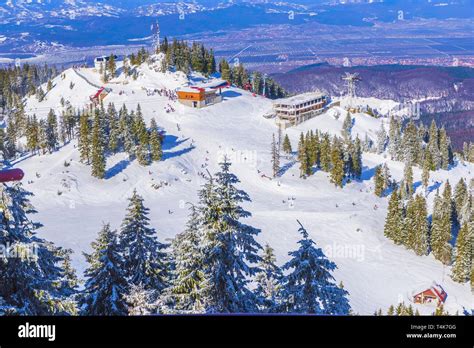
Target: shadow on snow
{"points": [[170, 142], [116, 169]]}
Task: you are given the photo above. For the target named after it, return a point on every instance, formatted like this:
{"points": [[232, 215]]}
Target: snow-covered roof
{"points": [[299, 99], [189, 89], [215, 83], [208, 86], [434, 287]]}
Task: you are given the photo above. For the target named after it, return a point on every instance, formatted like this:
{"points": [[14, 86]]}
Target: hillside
{"points": [[444, 93], [347, 223]]}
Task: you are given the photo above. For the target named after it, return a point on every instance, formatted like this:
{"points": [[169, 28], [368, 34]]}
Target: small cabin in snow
{"points": [[433, 294], [101, 62], [99, 95]]}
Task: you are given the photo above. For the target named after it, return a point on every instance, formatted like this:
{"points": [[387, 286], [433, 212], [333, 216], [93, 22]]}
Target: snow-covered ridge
{"points": [[72, 205], [18, 10]]}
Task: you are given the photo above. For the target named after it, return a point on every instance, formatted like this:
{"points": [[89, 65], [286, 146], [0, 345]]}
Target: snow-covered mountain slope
{"points": [[21, 10], [344, 222]]}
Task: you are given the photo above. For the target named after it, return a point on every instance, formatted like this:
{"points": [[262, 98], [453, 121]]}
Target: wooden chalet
{"points": [[433, 294]]}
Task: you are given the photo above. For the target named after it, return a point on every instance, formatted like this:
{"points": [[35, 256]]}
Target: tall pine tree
{"points": [[229, 246], [144, 259], [441, 230], [462, 266], [188, 277], [106, 285], [417, 233], [98, 160], [394, 221], [309, 288], [268, 281]]}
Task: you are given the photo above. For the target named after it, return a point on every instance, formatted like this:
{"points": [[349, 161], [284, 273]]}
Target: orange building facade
{"points": [[202, 95]]}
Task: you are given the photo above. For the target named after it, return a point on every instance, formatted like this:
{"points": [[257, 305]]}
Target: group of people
{"points": [[169, 108], [163, 92]]}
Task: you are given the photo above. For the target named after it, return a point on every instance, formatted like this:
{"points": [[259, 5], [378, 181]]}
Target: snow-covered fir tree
{"points": [[417, 228], [325, 153], [98, 160], [379, 181], [144, 258], [407, 188], [140, 301], [268, 281], [367, 144], [445, 149], [31, 270], [314, 148], [188, 279], [463, 251], [381, 139], [337, 171], [142, 138], [441, 230], [114, 132], [387, 177], [459, 198], [69, 276], [401, 310], [287, 145], [304, 157], [309, 287], [32, 134], [394, 221], [156, 150], [126, 131], [84, 138], [106, 285], [229, 246], [347, 126], [395, 137], [40, 94], [111, 66], [43, 140], [433, 146], [52, 137], [467, 210], [411, 144], [356, 158]]}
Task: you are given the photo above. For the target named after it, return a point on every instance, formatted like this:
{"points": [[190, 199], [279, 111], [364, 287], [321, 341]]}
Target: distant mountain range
{"points": [[18, 10], [83, 22], [444, 93]]}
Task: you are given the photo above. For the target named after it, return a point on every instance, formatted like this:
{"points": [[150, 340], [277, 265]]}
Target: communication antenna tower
{"points": [[155, 31]]}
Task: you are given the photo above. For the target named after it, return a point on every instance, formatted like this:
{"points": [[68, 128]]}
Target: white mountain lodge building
{"points": [[294, 110], [101, 62]]}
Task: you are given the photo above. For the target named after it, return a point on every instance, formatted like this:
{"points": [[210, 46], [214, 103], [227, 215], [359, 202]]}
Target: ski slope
{"points": [[72, 205]]}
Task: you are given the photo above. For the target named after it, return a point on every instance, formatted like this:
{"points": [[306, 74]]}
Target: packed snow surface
{"points": [[347, 223]]}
